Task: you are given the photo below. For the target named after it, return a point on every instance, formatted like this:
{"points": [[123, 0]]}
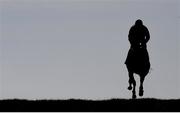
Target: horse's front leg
{"points": [[130, 80], [141, 91], [134, 89]]}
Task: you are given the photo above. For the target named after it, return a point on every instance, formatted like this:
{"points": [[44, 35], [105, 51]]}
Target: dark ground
{"points": [[90, 105]]}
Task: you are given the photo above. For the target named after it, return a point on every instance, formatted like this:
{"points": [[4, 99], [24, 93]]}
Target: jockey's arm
{"points": [[130, 37], [147, 36]]}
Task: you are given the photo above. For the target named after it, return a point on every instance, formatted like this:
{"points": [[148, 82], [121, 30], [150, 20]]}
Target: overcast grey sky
{"points": [[77, 48]]}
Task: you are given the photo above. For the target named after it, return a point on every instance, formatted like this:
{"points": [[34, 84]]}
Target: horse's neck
{"points": [[137, 48]]}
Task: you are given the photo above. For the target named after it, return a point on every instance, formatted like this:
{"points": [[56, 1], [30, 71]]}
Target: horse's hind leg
{"points": [[141, 91]]}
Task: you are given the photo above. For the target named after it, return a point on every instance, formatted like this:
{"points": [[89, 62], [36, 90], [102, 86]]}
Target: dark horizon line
{"points": [[82, 99], [77, 105]]}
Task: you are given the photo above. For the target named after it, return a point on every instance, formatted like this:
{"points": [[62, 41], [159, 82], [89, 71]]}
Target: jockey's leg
{"points": [[141, 91]]}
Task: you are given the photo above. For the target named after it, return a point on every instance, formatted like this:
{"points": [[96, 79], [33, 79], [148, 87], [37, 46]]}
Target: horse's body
{"points": [[137, 62]]}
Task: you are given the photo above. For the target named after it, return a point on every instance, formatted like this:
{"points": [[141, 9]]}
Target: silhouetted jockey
{"points": [[138, 35]]}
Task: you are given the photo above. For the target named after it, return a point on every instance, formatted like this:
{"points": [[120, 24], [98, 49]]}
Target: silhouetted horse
{"points": [[137, 62]]}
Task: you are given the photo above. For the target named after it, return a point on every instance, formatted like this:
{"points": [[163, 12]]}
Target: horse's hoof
{"points": [[141, 92], [134, 97], [130, 87]]}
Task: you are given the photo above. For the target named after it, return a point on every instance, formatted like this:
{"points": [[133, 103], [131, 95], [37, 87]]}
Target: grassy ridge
{"points": [[90, 105]]}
